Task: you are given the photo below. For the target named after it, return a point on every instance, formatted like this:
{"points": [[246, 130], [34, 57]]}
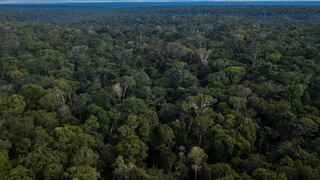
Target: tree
{"points": [[5, 165], [117, 89], [227, 143], [132, 105], [53, 99], [20, 173], [204, 55], [248, 127], [71, 138], [176, 50], [53, 172], [294, 92], [234, 73], [201, 125], [222, 170], [197, 156], [125, 82], [168, 112], [181, 170], [165, 135], [167, 157], [266, 174], [132, 148], [92, 125], [38, 160], [198, 104], [83, 173], [11, 106], [122, 170], [32, 93], [47, 120], [85, 156]]}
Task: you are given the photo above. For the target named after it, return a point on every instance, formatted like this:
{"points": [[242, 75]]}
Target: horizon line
{"points": [[139, 1]]}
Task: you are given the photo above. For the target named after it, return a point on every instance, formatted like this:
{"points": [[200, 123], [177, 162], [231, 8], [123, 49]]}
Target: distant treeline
{"points": [[88, 14]]}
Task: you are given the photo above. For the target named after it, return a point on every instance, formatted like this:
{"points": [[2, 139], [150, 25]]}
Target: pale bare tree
{"points": [[204, 55], [117, 89]]}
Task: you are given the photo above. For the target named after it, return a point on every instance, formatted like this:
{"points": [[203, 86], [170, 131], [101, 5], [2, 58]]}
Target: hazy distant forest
{"points": [[159, 93]]}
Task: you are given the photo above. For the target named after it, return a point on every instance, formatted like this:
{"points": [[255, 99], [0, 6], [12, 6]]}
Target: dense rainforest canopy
{"points": [[159, 93]]}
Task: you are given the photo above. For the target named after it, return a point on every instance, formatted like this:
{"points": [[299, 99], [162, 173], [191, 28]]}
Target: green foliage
{"points": [[222, 170], [32, 94], [132, 148], [265, 174], [11, 106], [132, 105], [197, 157], [85, 156], [19, 172], [53, 171], [157, 93], [37, 160], [83, 173], [71, 138], [5, 165]]}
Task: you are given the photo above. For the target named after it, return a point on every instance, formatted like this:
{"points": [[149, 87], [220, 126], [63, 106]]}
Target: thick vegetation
{"points": [[162, 93]]}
